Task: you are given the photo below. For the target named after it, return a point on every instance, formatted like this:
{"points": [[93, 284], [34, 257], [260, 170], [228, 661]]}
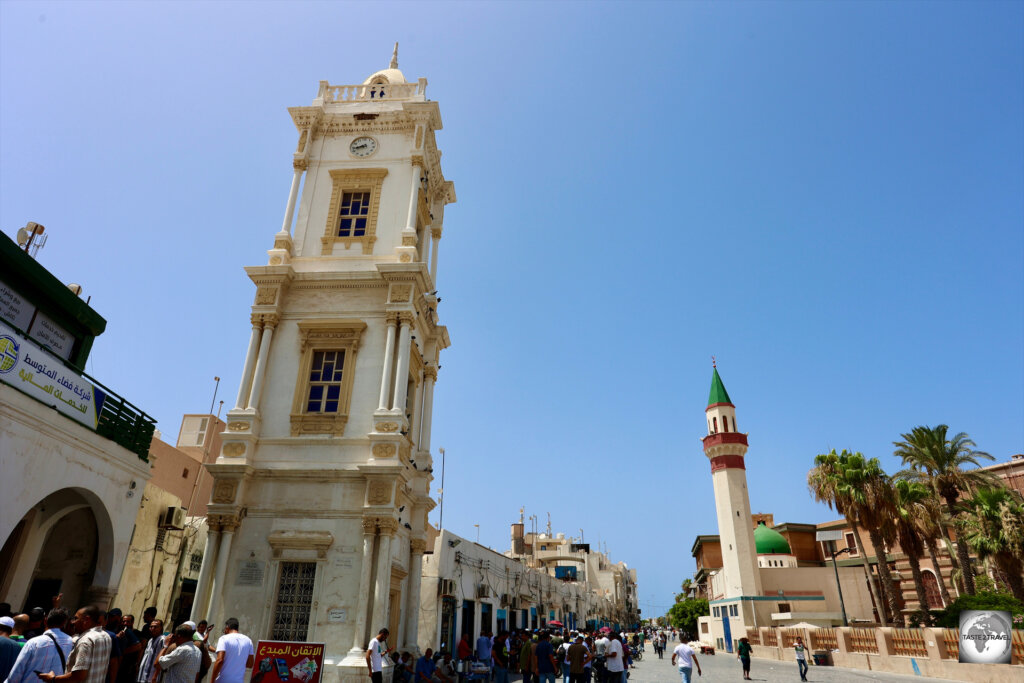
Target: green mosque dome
{"points": [[769, 541]]}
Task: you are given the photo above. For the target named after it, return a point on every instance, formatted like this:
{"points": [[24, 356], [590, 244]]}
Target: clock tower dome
{"points": [[318, 521]]}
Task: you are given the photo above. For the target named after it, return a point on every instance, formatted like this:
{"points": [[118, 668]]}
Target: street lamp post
{"points": [[835, 568]]}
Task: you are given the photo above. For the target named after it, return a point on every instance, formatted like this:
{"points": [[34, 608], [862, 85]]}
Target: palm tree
{"points": [[872, 494], [909, 497], [995, 529], [938, 460], [827, 483], [931, 526]]}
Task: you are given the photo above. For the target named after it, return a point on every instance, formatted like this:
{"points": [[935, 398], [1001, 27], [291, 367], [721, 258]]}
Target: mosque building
{"points": [[751, 573]]}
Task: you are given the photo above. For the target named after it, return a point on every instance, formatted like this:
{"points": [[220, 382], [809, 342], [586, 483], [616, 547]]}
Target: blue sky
{"points": [[829, 197]]}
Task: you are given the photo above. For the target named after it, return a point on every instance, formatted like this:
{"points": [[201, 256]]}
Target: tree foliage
{"points": [[984, 600], [684, 614]]}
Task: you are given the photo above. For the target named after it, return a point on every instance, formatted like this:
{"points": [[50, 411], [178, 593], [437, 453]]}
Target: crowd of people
{"points": [[538, 656], [97, 646]]}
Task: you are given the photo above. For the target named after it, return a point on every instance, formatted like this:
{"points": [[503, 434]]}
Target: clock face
{"points": [[363, 147]]}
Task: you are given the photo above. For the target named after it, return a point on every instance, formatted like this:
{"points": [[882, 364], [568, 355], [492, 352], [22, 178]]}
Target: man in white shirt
{"points": [[684, 657], [234, 655], [47, 652], [614, 662], [374, 655]]}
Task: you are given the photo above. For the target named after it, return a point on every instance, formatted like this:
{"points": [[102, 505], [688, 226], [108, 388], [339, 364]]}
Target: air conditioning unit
{"points": [[506, 599], [481, 590], [446, 587], [173, 518]]}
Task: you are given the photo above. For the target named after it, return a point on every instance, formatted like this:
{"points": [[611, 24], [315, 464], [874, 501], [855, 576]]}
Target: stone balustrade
{"points": [[378, 92], [923, 651]]}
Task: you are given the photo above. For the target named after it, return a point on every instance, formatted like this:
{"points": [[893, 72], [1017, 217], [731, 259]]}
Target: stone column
{"points": [[226, 536], [412, 618], [429, 376], [382, 587], [202, 599], [269, 322], [417, 413], [436, 235], [359, 637], [414, 195], [250, 359], [293, 193], [389, 360], [402, 373]]}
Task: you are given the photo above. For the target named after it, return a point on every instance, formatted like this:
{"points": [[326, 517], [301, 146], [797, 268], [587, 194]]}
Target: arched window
{"points": [[714, 425], [931, 589]]}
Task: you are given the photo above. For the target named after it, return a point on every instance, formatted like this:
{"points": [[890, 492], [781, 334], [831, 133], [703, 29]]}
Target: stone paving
{"points": [[725, 667]]}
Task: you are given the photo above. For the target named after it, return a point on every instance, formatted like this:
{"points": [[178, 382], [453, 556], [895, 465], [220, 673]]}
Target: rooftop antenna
{"points": [[31, 238], [549, 525], [394, 58]]}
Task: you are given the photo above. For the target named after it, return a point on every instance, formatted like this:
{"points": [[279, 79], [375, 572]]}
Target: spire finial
{"points": [[714, 363], [394, 58]]}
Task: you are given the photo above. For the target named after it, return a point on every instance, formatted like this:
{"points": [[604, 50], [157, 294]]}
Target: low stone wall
{"points": [[894, 650]]}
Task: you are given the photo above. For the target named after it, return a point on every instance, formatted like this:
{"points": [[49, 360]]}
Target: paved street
{"points": [[727, 668]]}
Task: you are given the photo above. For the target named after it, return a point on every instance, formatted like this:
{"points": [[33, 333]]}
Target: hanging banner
{"points": [[279, 661], [26, 367]]}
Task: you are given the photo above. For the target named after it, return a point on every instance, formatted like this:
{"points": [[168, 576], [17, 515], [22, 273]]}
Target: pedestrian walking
{"points": [[614, 660], [48, 652], [685, 658], [180, 659], [577, 656], [375, 652], [234, 655], [801, 658], [90, 657], [743, 654], [500, 657], [526, 658], [544, 662]]}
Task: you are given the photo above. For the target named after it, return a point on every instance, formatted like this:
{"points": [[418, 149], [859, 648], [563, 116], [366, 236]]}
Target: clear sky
{"points": [[829, 197]]}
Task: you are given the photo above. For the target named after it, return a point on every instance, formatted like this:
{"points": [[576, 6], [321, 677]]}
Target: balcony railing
{"points": [[378, 92]]}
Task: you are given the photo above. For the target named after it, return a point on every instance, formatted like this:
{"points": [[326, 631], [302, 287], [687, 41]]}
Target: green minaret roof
{"points": [[769, 541], [718, 392]]}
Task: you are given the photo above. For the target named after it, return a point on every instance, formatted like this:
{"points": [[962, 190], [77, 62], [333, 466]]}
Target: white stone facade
{"points": [[68, 500], [325, 496]]}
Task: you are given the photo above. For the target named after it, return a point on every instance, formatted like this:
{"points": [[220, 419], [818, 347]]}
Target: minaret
{"points": [[725, 448]]}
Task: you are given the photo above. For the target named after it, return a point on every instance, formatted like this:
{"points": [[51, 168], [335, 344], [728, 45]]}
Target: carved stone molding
{"points": [[237, 426], [417, 546], [224, 522], [224, 491], [388, 526], [378, 493], [400, 293], [266, 296], [384, 450], [407, 317], [386, 427], [353, 180], [405, 258], [318, 541], [266, 319], [299, 164], [369, 525], [417, 160], [430, 372], [233, 449]]}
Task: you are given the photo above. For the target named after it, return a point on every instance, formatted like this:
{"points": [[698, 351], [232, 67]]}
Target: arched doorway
{"points": [[63, 544], [931, 589]]}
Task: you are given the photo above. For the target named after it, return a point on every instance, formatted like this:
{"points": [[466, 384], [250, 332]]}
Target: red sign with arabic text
{"points": [[279, 661]]}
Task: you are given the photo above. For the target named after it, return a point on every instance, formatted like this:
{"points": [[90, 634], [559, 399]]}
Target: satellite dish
{"points": [[23, 236], [75, 288]]}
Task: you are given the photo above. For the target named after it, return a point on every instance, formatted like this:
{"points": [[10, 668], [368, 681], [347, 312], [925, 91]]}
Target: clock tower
{"points": [[317, 523]]}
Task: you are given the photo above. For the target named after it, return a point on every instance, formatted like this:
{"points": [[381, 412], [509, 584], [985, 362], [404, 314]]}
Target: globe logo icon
{"points": [[985, 637], [8, 353]]}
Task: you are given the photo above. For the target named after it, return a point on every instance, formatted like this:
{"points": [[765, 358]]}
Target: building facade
{"points": [[72, 452], [321, 490]]}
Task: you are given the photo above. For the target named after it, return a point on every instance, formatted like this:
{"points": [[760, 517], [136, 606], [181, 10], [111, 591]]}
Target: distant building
{"points": [[72, 452], [166, 553]]}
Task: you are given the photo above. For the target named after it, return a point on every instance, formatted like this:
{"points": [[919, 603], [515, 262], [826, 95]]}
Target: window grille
{"points": [[160, 535], [863, 640], [196, 562], [294, 600], [824, 639]]}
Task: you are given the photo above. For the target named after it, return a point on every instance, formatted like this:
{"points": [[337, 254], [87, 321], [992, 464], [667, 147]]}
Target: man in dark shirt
{"points": [[499, 654], [577, 656], [544, 659]]}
